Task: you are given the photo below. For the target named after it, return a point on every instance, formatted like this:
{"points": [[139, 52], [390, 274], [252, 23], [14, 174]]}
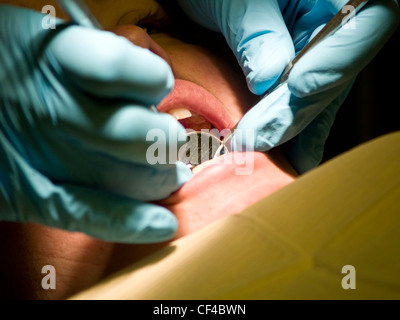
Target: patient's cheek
{"points": [[225, 188]]}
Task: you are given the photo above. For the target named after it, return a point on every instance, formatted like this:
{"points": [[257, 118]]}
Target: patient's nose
{"points": [[139, 37]]}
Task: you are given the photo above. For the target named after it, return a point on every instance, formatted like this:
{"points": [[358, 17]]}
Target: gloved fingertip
{"points": [[184, 174], [110, 66], [249, 140], [298, 88], [265, 67], [142, 223], [162, 87], [157, 225], [259, 86], [304, 81]]}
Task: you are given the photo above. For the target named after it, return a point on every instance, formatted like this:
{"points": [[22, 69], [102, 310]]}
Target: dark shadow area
{"points": [[371, 109]]}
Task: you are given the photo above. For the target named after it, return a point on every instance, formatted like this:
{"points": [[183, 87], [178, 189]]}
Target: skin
{"points": [[82, 261]]}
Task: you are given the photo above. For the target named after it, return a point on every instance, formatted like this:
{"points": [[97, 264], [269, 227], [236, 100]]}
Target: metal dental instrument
{"points": [[330, 28], [79, 13], [200, 147]]}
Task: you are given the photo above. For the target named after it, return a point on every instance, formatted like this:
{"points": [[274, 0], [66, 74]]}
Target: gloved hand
{"points": [[74, 119], [265, 36]]}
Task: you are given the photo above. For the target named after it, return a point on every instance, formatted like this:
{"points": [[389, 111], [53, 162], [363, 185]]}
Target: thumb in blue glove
{"points": [[255, 31]]}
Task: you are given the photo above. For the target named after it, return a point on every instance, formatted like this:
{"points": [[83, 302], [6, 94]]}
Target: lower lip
{"points": [[198, 100], [210, 194]]}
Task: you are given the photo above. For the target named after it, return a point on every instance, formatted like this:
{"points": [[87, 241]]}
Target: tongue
{"points": [[196, 122]]}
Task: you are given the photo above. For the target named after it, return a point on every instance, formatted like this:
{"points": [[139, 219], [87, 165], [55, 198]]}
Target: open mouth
{"points": [[195, 108], [240, 177]]}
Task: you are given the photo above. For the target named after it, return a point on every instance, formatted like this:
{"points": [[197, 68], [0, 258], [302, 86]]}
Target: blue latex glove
{"points": [[74, 120], [265, 36]]}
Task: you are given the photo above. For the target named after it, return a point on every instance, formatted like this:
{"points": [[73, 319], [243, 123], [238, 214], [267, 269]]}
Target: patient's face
{"points": [[210, 91]]}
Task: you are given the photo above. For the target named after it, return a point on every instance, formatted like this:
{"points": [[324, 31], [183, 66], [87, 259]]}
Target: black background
{"points": [[372, 107]]}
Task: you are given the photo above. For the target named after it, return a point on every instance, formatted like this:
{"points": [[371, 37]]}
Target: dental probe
{"points": [[330, 28], [79, 13]]}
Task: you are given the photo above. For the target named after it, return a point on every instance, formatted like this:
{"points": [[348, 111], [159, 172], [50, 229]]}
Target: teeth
{"points": [[180, 113]]}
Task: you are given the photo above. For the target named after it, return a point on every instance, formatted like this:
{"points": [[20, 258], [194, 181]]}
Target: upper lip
{"points": [[195, 98]]}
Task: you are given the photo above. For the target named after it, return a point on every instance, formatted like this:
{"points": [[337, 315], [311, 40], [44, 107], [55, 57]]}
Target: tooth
{"points": [[180, 113]]}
